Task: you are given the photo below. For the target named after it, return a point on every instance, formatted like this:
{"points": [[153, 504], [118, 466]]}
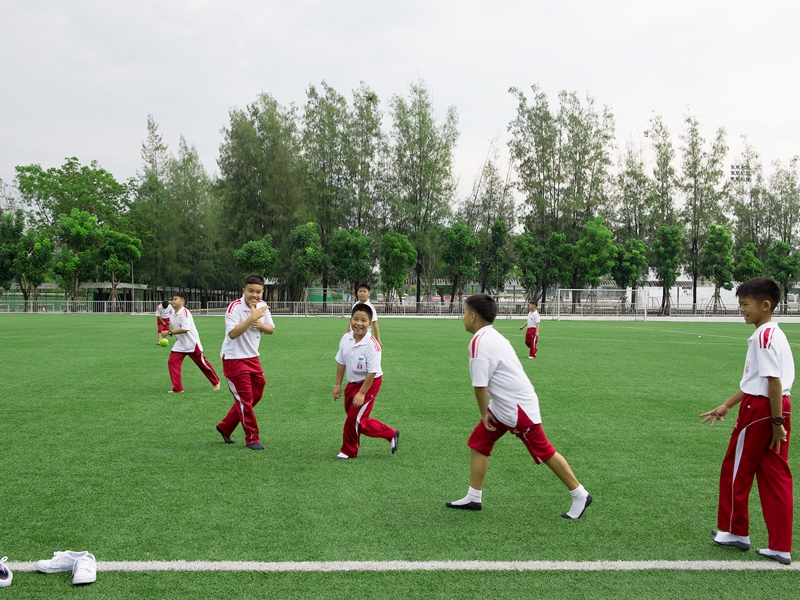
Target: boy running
{"points": [[245, 321], [363, 293], [497, 374], [359, 356], [163, 313], [532, 333], [188, 344], [759, 444]]}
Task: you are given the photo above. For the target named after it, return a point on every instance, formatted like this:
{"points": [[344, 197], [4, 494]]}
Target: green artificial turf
{"points": [[94, 454]]}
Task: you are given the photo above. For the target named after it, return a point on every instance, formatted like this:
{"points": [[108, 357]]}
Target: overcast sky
{"points": [[80, 77]]}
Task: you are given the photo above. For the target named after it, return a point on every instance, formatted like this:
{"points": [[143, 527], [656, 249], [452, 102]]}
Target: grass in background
{"points": [[96, 455]]}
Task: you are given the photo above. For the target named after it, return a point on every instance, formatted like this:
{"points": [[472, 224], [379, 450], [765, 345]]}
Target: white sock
{"points": [[473, 495], [724, 536], [775, 552], [579, 495]]}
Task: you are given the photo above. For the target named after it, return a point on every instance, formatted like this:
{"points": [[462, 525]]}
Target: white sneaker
{"points": [[61, 561], [84, 570], [5, 573]]}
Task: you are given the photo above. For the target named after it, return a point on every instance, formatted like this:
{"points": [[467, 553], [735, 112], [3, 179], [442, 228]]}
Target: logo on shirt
{"points": [[360, 364], [746, 369]]}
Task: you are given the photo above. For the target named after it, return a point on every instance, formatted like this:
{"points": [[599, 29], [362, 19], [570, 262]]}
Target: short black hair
{"points": [[363, 308], [484, 305], [254, 278], [181, 295], [164, 303], [364, 285], [761, 288]]}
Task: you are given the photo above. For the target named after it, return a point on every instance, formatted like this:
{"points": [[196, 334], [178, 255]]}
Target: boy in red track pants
{"points": [[245, 321], [359, 356], [759, 444], [188, 344]]}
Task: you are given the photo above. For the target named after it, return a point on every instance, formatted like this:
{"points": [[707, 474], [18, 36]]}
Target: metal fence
{"points": [[49, 305]]}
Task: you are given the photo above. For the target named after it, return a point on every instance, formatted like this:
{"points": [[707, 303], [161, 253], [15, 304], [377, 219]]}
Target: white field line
{"points": [[333, 566]]}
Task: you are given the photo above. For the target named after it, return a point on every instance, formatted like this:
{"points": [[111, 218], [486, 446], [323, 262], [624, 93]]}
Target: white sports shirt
{"points": [[165, 313], [533, 319], [182, 319], [359, 358], [493, 364], [768, 355], [246, 345]]}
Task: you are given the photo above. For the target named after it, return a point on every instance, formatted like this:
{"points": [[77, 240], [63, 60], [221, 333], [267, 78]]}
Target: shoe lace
{"points": [[3, 570]]}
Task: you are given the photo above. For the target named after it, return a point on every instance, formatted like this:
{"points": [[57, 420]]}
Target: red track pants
{"points": [[176, 361], [530, 340], [749, 455], [246, 381], [358, 420]]}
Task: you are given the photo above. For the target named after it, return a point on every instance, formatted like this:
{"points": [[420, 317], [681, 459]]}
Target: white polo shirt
{"points": [[165, 313], [493, 364], [768, 355], [359, 358], [374, 312], [246, 345], [533, 319], [182, 319]]}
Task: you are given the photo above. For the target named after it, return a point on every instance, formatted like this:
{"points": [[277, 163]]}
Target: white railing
{"points": [[86, 306]]}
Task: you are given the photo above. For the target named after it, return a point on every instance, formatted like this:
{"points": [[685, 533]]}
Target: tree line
{"points": [[327, 192]]}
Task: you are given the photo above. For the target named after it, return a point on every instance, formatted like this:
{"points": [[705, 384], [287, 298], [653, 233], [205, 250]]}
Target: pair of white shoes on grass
{"points": [[82, 565]]}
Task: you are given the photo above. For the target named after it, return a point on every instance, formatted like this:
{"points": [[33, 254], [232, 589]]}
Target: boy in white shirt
{"points": [[163, 313], [359, 356], [497, 374], [245, 321], [188, 344], [532, 333], [759, 444], [363, 292]]}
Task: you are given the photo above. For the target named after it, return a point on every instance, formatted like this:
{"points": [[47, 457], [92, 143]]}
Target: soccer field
{"points": [[95, 455]]}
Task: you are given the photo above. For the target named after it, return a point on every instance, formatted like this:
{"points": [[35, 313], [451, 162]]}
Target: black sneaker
{"points": [[227, 438], [781, 559], [732, 544], [395, 440], [255, 446], [467, 506], [585, 506]]}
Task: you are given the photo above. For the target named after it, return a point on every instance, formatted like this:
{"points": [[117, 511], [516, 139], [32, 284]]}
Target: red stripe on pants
{"points": [[246, 382], [530, 340], [749, 455], [176, 361], [358, 420]]}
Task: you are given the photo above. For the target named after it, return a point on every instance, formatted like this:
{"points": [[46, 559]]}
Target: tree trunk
{"points": [[453, 292]]}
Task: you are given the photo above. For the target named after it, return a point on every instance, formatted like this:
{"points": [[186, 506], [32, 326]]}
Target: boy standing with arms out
{"points": [[188, 344], [163, 313], [532, 333], [359, 356], [497, 374], [363, 293], [760, 440], [245, 321]]}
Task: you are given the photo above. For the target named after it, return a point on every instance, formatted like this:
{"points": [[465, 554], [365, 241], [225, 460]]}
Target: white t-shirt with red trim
{"points": [[359, 358], [165, 313], [768, 355], [246, 345], [182, 319], [493, 364], [533, 319]]}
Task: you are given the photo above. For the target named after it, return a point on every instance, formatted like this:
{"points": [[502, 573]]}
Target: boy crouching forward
{"points": [[497, 374]]}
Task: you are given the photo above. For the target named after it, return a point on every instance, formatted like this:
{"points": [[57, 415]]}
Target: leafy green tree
{"points": [[530, 259], [117, 252], [80, 238], [422, 164], [716, 262], [784, 202], [630, 264], [747, 265], [633, 197], [459, 255], [57, 191], [594, 251], [499, 254], [306, 258], [702, 184], [397, 257], [25, 254], [750, 201], [668, 253], [351, 257], [663, 184], [256, 256], [783, 266]]}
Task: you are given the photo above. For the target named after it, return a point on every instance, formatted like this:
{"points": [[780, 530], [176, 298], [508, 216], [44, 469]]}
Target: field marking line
{"points": [[399, 565]]}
